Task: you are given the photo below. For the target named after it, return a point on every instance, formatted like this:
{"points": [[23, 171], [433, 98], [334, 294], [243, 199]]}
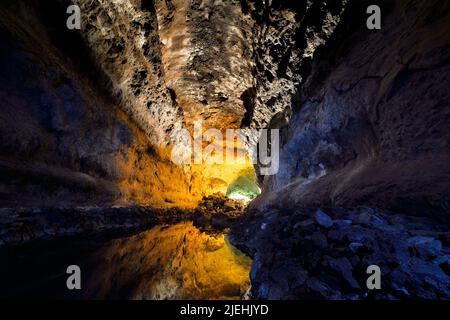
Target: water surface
{"points": [[166, 262]]}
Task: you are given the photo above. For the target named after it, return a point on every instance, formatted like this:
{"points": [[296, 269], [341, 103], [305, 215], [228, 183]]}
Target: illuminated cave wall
{"points": [[89, 117], [63, 139]]}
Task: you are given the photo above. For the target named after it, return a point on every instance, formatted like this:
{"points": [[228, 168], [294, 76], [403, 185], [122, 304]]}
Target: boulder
{"points": [[323, 219], [319, 240], [425, 247], [344, 269]]}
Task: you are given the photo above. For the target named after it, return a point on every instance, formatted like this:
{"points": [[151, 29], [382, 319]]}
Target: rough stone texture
{"points": [[371, 129], [230, 63], [62, 140], [207, 59], [89, 118], [125, 43], [164, 64], [296, 257], [285, 36], [373, 126], [215, 212]]}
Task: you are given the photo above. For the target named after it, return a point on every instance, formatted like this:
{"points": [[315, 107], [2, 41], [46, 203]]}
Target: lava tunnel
{"points": [[222, 149]]}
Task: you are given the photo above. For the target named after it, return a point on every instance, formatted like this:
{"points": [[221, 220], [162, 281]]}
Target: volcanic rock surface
{"points": [[371, 128], [90, 118], [101, 108], [326, 254], [64, 140]]}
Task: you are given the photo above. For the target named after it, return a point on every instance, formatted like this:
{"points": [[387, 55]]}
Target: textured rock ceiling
{"points": [[207, 59], [230, 63], [165, 64]]}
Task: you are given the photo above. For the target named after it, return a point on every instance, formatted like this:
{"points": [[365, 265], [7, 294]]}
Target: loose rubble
{"points": [[296, 257], [216, 212]]}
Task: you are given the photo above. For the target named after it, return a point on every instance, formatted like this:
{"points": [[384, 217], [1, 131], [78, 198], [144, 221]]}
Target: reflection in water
{"points": [[169, 262]]}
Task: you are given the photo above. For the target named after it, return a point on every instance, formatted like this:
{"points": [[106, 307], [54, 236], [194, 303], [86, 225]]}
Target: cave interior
{"points": [[131, 147]]}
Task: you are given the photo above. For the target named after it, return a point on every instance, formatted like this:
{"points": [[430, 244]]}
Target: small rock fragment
{"points": [[323, 219]]}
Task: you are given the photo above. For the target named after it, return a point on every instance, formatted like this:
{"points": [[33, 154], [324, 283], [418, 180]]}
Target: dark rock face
{"points": [[323, 219], [370, 127], [286, 35], [299, 258], [51, 125], [375, 129], [63, 138]]}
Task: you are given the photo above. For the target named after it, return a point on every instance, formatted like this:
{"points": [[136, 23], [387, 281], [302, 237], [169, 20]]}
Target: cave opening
{"points": [[244, 187]]}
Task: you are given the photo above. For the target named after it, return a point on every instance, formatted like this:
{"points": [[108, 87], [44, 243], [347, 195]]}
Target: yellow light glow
{"points": [[172, 262]]}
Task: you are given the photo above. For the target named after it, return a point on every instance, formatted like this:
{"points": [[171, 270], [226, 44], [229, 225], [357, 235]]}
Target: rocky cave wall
{"points": [[285, 37], [364, 177], [124, 40], [99, 108], [65, 140], [371, 125]]}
